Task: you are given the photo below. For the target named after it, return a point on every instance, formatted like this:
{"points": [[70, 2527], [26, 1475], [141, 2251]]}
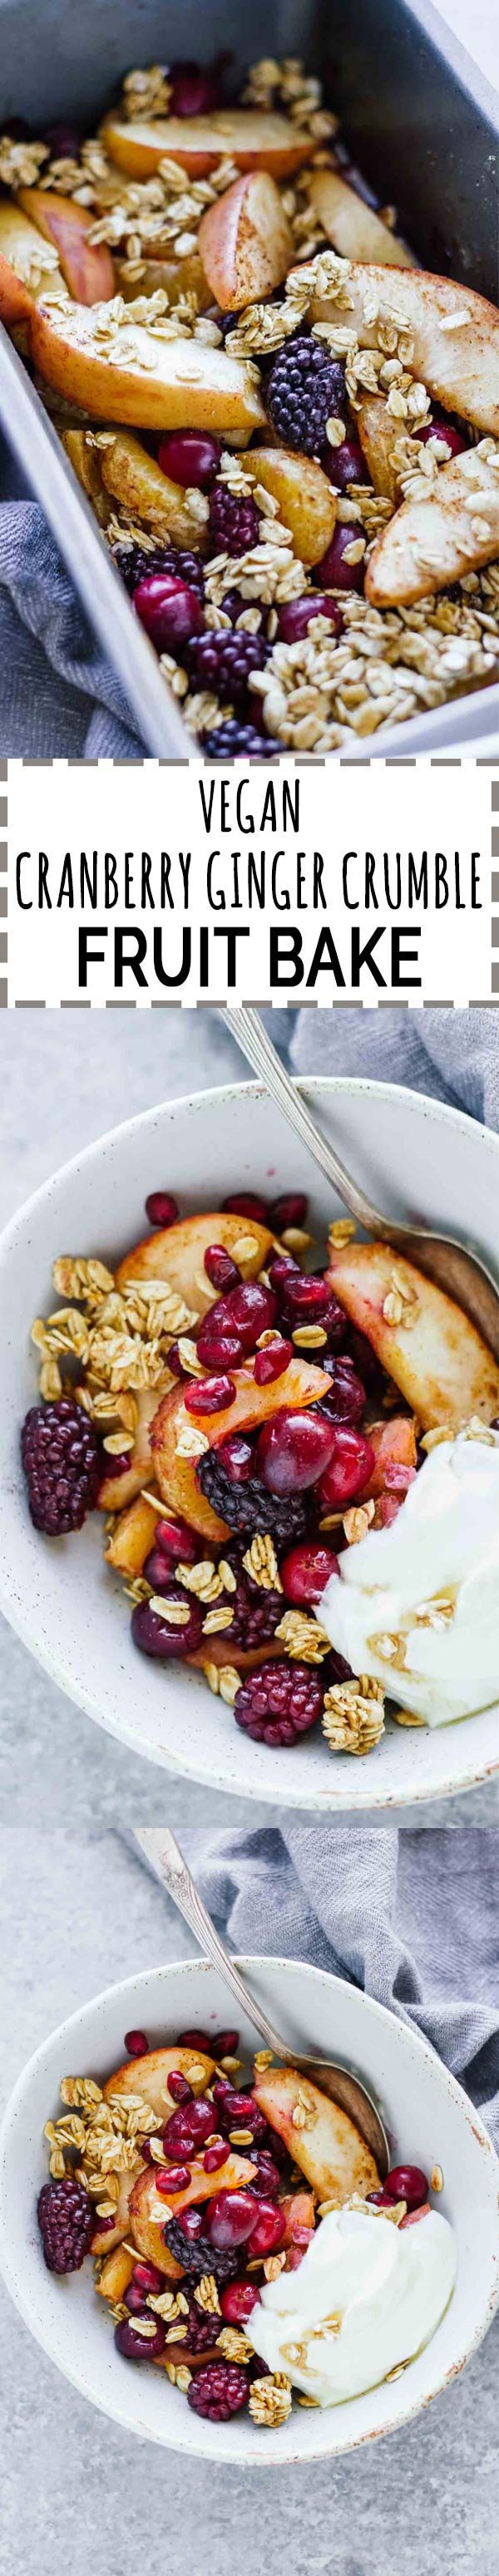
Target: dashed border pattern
{"points": [[483, 1002]]}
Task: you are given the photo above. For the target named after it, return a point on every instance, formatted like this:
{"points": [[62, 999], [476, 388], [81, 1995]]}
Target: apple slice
{"points": [[115, 2275], [124, 373], [106, 2238], [245, 242], [116, 1491], [87, 464], [176, 1253], [16, 301], [354, 228], [146, 2230], [377, 432], [454, 333], [438, 539], [139, 486], [133, 1537], [251, 138], [298, 1387], [148, 2076], [307, 502], [428, 1346], [88, 272], [330, 2151], [183, 276], [149, 2209], [22, 249]]}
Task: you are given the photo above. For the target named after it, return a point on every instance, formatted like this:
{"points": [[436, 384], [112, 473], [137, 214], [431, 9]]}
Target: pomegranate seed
{"points": [[407, 2182], [443, 430], [246, 1203], [237, 2302], [238, 2110], [306, 1571], [175, 1539], [289, 1210], [137, 2347], [294, 1449], [161, 1208], [104, 2226], [196, 2039], [269, 2231], [189, 458], [351, 1464], [179, 2088], [236, 1455], [209, 1395], [215, 2156], [170, 612], [225, 2044], [175, 2178], [148, 2279], [231, 2217], [136, 2043], [307, 1295], [344, 465], [134, 2299], [119, 1466], [221, 1271], [271, 1362], [293, 621], [157, 1570], [217, 1349]]}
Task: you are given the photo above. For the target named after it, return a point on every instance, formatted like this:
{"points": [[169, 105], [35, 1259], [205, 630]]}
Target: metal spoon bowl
{"points": [[461, 1272], [343, 2087]]}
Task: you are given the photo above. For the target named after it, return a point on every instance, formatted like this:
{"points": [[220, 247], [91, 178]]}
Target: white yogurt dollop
{"points": [[416, 1605], [367, 2296]]}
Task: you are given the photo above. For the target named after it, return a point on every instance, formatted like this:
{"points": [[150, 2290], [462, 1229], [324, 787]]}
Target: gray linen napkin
{"points": [[452, 1055], [59, 698], [411, 1918]]}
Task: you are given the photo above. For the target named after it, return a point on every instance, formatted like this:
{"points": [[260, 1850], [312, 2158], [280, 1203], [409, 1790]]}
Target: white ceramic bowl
{"points": [[428, 2119], [415, 1157]]}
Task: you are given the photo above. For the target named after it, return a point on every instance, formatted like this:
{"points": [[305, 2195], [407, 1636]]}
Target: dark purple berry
{"points": [[305, 388], [196, 2253], [233, 741], [154, 1636], [279, 1702], [225, 662], [250, 1506], [135, 564], [61, 1460], [66, 2219], [219, 2391], [234, 523], [133, 2344]]}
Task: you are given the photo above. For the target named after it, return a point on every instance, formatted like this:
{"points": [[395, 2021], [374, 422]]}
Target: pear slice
{"points": [[115, 2274], [176, 277], [250, 137], [138, 484], [148, 2077], [120, 371], [377, 432], [86, 461], [107, 2238], [146, 2227], [354, 229], [132, 1537], [428, 1346], [328, 2150], [16, 301], [299, 1386], [245, 241], [23, 250], [436, 540], [116, 1491], [306, 500], [176, 1253], [454, 333], [88, 271]]}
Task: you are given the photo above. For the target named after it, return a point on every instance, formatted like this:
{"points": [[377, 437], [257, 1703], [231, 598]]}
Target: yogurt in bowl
{"points": [[368, 2296]]}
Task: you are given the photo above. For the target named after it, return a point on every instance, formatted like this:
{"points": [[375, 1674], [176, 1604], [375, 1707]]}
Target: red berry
{"points": [[345, 464], [216, 2155], [279, 1702], [157, 1570], [218, 2391], [135, 2298], [267, 2182], [190, 457], [225, 2043], [249, 1310], [281, 1268], [334, 572], [271, 1362], [148, 2279], [269, 2231], [347, 1395], [138, 2347], [161, 1208], [231, 2217], [305, 1572], [238, 2110], [220, 1270], [209, 1394], [171, 2178], [293, 1450], [196, 2039], [407, 2182], [175, 1539], [351, 1463], [236, 1456], [169, 611], [188, 2130], [237, 2302], [217, 1348], [292, 1208], [179, 2088], [443, 430], [136, 2043], [246, 1203], [306, 1295], [195, 89], [153, 1635], [294, 620]]}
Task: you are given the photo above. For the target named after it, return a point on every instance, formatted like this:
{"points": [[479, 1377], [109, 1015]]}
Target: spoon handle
{"points": [[253, 1039], [168, 1860]]}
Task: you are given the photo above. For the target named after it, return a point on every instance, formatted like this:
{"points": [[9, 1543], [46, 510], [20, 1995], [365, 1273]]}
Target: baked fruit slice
{"points": [[298, 1388], [148, 2076], [247, 136], [245, 242], [326, 2147], [123, 372], [454, 333], [439, 539], [176, 1253], [306, 500], [116, 1491], [21, 249], [88, 271], [355, 230], [377, 432], [424, 1340]]}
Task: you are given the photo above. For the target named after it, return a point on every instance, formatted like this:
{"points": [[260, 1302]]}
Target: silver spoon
{"points": [[462, 1273], [168, 1861]]}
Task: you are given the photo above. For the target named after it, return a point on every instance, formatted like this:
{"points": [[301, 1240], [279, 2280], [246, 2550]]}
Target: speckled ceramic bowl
{"points": [[415, 1158], [428, 2119]]}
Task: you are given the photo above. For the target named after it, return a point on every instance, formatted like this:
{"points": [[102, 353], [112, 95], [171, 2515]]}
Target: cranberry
{"points": [[215, 2155], [380, 2199], [174, 1538], [237, 2302], [443, 430], [134, 2345], [267, 2180], [217, 1349], [172, 2178], [236, 1455], [220, 1270], [209, 1394], [282, 1268], [271, 1362], [238, 2110], [346, 1400], [249, 1310], [136, 2043], [195, 89], [64, 141], [188, 2129], [161, 1207], [196, 2039], [148, 2279], [351, 1463], [191, 2223], [306, 1571], [190, 457], [407, 2182], [179, 2088], [306, 1295], [293, 1450], [246, 1203], [334, 571], [269, 2231], [120, 1465], [154, 1637], [292, 1208], [345, 464], [231, 2217], [225, 2043], [293, 621], [169, 611]]}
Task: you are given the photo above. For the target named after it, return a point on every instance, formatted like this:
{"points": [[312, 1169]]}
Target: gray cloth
{"points": [[411, 1918], [451, 1055], [59, 698]]}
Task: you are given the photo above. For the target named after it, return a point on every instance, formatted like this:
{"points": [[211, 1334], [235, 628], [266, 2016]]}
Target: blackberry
{"points": [[60, 1456], [219, 2391], [234, 522], [305, 387], [135, 564], [224, 662], [255, 1613], [202, 2330], [233, 741], [66, 2219], [251, 1506], [279, 1702], [197, 2254]]}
